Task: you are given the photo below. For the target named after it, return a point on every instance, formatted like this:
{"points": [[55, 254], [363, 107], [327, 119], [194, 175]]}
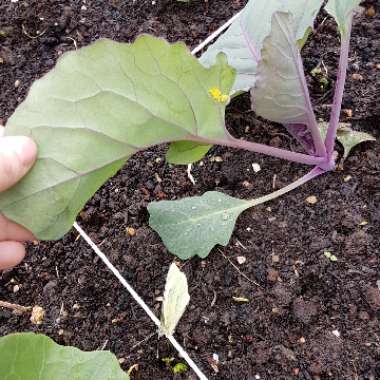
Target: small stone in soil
{"points": [[130, 231], [241, 259], [371, 11], [347, 178], [336, 333], [357, 76], [256, 167], [38, 314], [311, 200]]}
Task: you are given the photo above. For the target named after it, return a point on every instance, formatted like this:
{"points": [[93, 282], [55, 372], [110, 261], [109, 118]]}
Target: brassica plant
{"points": [[103, 103]]}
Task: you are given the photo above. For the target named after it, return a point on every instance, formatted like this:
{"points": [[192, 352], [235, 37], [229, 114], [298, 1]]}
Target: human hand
{"points": [[17, 156]]}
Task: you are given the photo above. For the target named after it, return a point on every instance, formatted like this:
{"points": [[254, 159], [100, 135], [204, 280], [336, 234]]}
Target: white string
{"points": [[118, 275], [139, 300], [215, 34]]}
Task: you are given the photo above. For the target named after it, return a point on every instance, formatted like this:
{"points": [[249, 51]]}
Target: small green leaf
{"points": [[193, 226], [180, 368], [29, 356], [342, 11], [168, 360], [330, 256], [186, 152], [350, 138], [347, 137]]}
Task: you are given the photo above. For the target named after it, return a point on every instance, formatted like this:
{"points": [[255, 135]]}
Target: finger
{"points": [[11, 254], [17, 155], [12, 231]]}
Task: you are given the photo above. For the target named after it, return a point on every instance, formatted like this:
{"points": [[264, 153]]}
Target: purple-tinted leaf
{"points": [[243, 41], [280, 93], [303, 135]]}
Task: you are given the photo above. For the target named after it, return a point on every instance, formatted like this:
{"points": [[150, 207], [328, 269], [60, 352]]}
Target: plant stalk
{"points": [[288, 155], [339, 90], [315, 172]]}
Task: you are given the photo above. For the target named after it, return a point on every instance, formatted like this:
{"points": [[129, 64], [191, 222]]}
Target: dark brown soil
{"points": [[309, 318]]}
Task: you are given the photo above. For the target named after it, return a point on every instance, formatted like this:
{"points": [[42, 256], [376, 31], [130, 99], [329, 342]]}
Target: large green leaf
{"points": [[96, 108], [342, 11], [29, 356], [243, 41]]}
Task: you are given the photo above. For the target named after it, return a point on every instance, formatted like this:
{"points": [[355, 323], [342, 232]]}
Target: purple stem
{"points": [[264, 149], [339, 89], [312, 174]]}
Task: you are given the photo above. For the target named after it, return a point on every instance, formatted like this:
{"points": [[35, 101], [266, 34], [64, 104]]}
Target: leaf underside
{"points": [[243, 41], [95, 109], [342, 11], [176, 299], [29, 356]]}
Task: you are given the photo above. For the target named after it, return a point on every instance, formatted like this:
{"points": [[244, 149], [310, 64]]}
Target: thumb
{"points": [[17, 156]]}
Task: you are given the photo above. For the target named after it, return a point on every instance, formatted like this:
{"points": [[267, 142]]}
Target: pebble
{"points": [[17, 83], [348, 112], [241, 260], [256, 167], [371, 11], [336, 333], [38, 314], [312, 200], [16, 288], [130, 231], [347, 178], [248, 185], [357, 76]]}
